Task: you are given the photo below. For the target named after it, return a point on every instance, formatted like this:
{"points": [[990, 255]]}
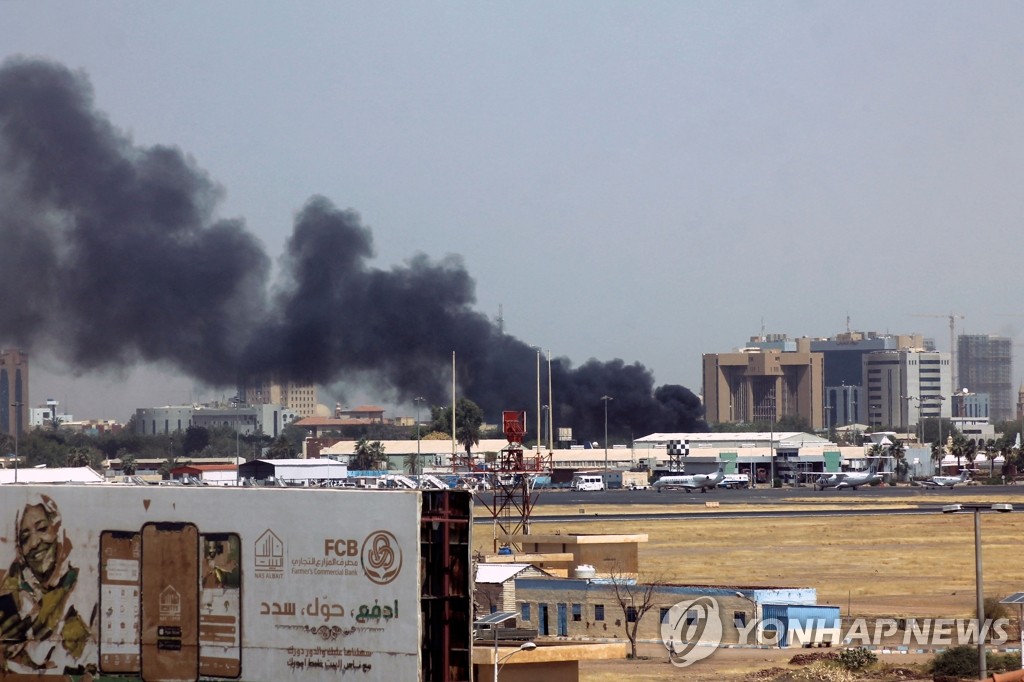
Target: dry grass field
{"points": [[905, 564], [900, 565]]}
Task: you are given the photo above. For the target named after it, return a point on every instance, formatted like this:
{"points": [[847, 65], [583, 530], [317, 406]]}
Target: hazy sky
{"points": [[646, 181]]}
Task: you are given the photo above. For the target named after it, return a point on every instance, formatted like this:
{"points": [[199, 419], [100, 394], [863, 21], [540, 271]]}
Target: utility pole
{"points": [[419, 401], [606, 398]]}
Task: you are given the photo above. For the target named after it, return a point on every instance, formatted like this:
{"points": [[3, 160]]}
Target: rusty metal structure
{"points": [[512, 477]]}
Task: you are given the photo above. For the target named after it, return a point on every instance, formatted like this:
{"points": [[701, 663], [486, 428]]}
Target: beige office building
{"points": [[301, 398], [757, 385]]}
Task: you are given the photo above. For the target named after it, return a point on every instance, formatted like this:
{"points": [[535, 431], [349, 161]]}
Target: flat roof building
{"points": [[755, 385]]}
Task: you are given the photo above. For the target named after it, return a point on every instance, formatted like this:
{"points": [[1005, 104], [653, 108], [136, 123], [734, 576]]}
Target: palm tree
{"points": [[971, 452], [959, 448], [898, 451], [468, 420], [79, 457], [367, 455], [128, 464], [411, 463]]}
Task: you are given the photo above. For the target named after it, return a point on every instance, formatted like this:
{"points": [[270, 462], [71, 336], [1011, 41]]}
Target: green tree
{"points": [[128, 464], [196, 439], [287, 444], [468, 419], [793, 422], [80, 456], [898, 451], [367, 455], [281, 448], [411, 463], [958, 449], [172, 462]]}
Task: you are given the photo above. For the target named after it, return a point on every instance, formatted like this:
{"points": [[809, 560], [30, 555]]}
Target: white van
{"points": [[588, 482]]}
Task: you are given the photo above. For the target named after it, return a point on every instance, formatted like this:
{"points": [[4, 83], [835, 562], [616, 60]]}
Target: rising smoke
{"points": [[118, 258]]}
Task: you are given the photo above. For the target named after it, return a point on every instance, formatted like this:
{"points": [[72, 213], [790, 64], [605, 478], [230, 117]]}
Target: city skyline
{"points": [[649, 183]]}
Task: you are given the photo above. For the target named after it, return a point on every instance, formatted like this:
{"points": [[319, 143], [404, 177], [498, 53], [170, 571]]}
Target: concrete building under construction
{"points": [[985, 365]]}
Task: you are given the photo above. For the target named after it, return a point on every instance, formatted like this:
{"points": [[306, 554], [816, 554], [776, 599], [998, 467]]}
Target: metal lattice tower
{"points": [[512, 478]]}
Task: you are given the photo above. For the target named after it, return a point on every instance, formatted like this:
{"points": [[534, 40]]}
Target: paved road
{"points": [[773, 496]]}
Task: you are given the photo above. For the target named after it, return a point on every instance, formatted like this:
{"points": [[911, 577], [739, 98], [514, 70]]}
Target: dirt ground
{"points": [[733, 665], [883, 565]]}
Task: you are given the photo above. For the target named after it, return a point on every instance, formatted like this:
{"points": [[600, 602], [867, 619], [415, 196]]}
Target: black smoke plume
{"points": [[117, 257]]}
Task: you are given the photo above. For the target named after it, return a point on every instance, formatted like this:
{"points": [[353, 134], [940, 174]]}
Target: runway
{"points": [[645, 504]]}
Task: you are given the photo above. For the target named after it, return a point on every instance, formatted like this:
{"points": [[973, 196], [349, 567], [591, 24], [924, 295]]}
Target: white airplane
{"points": [[849, 479], [702, 482], [947, 481]]}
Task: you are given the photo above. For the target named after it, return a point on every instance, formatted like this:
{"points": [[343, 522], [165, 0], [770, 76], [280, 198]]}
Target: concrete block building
{"points": [[764, 385]]}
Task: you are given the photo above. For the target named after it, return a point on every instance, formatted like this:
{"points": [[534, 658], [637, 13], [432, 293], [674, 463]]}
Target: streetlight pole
{"points": [[540, 436], [979, 590], [757, 627], [419, 401], [551, 409], [606, 398], [525, 646]]}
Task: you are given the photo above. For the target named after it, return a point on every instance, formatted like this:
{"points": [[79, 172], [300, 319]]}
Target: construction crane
{"points": [[953, 317]]}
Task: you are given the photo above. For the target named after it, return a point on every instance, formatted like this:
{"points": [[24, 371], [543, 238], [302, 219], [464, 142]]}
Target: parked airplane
{"points": [[849, 479], [947, 481], [702, 482]]}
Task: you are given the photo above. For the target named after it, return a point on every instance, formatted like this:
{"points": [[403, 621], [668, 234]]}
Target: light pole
{"points": [[551, 410], [757, 625], [419, 401], [17, 427], [540, 435], [606, 398], [908, 398], [525, 646], [979, 590]]}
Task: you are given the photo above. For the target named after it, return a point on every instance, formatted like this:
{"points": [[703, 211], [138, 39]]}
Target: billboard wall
{"points": [[173, 583]]}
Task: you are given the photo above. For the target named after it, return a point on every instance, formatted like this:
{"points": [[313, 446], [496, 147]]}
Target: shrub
{"points": [[856, 659], [996, 662], [959, 661]]}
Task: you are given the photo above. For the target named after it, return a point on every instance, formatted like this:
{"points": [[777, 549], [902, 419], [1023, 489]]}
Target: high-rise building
{"points": [[844, 366], [757, 385], [985, 365], [300, 398], [14, 404], [904, 386]]}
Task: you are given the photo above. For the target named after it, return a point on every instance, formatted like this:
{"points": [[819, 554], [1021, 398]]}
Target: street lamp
{"points": [[757, 624], [525, 646], [908, 398], [419, 401], [17, 427], [979, 590], [606, 398]]}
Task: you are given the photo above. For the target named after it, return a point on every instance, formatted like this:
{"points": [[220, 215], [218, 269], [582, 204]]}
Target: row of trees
{"points": [[965, 450], [53, 446]]}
